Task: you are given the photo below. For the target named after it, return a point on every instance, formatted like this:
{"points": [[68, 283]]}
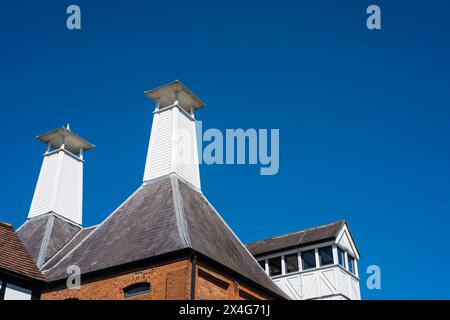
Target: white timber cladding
{"points": [[60, 186], [173, 146], [330, 282], [322, 282], [344, 240], [42, 198]]}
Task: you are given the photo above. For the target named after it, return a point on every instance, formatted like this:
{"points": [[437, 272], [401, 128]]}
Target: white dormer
{"points": [[322, 267], [345, 241]]}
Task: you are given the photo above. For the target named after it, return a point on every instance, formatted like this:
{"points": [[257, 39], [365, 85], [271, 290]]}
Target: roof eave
{"points": [[23, 277], [297, 246]]}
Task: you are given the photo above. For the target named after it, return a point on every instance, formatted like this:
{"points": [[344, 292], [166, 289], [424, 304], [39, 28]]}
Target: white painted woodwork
{"points": [[173, 141], [345, 241], [331, 282], [14, 292], [60, 187], [328, 282], [175, 93]]}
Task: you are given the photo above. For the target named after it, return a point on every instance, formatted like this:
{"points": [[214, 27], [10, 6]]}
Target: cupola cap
{"points": [[175, 92], [72, 142]]}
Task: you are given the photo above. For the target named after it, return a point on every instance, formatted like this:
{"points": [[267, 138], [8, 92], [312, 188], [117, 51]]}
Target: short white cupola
{"points": [[59, 188], [173, 141]]}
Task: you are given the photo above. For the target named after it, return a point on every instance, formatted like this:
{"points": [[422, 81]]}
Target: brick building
{"points": [[166, 241]]}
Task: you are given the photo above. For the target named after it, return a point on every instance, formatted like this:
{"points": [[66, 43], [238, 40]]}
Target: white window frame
{"points": [[315, 247]]}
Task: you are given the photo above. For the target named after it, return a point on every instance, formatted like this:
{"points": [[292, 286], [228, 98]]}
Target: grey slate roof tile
{"points": [[62, 232], [31, 234], [44, 236], [296, 239], [68, 247], [144, 226], [211, 236], [163, 216]]}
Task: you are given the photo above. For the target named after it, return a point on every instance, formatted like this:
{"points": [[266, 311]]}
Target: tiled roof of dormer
{"points": [[13, 255], [296, 239]]}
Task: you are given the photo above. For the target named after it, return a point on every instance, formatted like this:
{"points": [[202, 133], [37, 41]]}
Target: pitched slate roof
{"points": [[296, 239], [13, 255], [31, 234], [45, 235], [164, 215], [83, 233], [211, 236]]}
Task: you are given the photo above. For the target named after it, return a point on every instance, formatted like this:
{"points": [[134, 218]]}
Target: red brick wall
{"points": [[169, 281], [212, 284]]}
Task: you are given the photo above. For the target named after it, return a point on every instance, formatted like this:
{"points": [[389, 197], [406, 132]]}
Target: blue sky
{"points": [[363, 115]]}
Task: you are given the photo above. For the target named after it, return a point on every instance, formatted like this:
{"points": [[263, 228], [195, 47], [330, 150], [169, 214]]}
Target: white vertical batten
{"points": [[173, 141], [60, 184]]}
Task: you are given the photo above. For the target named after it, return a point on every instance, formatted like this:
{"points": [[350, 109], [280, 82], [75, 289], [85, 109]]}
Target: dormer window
{"points": [[351, 264], [136, 289], [308, 259], [341, 257], [291, 263], [262, 263], [326, 256], [275, 266]]}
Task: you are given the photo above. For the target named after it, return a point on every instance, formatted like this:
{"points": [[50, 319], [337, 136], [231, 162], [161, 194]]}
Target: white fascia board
{"points": [[346, 232]]}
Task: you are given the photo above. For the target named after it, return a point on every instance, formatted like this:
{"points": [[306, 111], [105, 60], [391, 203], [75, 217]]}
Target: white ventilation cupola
{"points": [[173, 141], [60, 184]]}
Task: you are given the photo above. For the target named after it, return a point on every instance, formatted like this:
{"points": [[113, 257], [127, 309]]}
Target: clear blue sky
{"points": [[363, 115]]}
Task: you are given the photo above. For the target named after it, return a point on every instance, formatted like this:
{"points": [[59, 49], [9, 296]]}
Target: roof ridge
{"points": [[241, 243], [179, 211], [45, 241], [298, 232]]}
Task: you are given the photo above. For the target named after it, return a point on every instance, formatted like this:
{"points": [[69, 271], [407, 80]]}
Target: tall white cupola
{"points": [[173, 141], [60, 184]]}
